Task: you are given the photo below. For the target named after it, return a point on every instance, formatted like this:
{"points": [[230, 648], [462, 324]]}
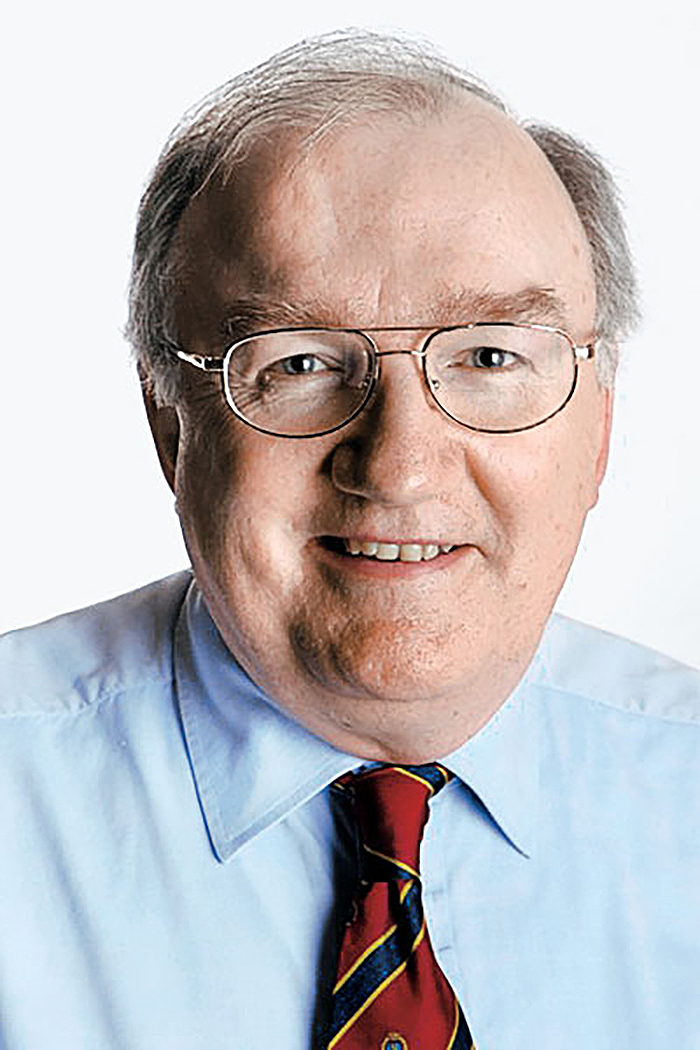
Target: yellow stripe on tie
{"points": [[377, 991], [404, 890], [392, 860], [454, 1030], [375, 944], [414, 776]]}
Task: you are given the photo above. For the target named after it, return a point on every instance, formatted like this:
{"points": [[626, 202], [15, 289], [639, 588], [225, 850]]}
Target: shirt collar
{"points": [[500, 765], [253, 765]]}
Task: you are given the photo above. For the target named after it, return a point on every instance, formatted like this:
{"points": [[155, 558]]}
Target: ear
{"points": [[165, 428], [604, 447]]}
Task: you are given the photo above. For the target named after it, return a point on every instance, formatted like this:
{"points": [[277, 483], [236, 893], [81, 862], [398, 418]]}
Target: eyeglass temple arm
{"points": [[201, 361], [584, 353]]}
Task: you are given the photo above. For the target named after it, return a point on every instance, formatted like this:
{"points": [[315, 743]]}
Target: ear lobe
{"points": [[165, 428]]}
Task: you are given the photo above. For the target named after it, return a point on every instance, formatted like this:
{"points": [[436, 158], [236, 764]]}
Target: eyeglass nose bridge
{"points": [[422, 354], [411, 353]]}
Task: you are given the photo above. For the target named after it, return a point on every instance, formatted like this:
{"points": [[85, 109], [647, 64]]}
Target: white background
{"points": [[89, 97]]}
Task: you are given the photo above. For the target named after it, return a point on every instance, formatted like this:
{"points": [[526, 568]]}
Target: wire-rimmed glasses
{"points": [[492, 377]]}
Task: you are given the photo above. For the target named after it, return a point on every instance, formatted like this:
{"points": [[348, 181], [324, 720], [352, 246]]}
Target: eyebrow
{"points": [[251, 313], [535, 303]]}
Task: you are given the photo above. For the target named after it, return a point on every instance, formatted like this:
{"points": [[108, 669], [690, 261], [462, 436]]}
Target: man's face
{"points": [[389, 223]]}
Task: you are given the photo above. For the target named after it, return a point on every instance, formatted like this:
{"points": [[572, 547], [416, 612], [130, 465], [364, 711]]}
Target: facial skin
{"points": [[391, 222]]}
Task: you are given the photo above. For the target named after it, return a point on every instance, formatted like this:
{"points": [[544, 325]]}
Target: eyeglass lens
{"points": [[490, 377]]}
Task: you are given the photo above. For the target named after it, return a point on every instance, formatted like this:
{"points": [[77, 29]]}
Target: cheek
{"points": [[544, 483], [207, 480], [242, 506]]}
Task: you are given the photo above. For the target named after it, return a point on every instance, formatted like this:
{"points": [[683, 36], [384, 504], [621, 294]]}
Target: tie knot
{"points": [[391, 808]]}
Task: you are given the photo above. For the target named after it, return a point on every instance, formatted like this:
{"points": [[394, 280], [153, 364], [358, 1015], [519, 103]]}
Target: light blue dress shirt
{"points": [[174, 863]]}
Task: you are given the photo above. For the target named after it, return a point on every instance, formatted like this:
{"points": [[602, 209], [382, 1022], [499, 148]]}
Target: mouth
{"points": [[387, 550]]}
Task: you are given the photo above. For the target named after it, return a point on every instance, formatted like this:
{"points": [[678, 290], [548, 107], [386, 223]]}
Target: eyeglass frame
{"points": [[210, 364]]}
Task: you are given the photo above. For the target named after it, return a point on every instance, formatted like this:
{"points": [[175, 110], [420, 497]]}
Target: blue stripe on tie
{"points": [[463, 1039], [382, 962], [432, 773]]}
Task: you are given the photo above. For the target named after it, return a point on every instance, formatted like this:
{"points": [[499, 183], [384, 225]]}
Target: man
{"points": [[376, 322]]}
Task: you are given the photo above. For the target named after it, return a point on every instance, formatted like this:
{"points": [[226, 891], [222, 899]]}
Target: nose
{"points": [[391, 454]]}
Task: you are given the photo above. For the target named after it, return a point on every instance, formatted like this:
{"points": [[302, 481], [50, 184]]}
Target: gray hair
{"points": [[317, 86]]}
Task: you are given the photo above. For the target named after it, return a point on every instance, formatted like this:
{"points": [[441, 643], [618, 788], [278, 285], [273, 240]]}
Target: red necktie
{"points": [[390, 993]]}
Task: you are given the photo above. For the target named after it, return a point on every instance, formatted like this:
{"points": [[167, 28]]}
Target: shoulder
{"points": [[617, 674], [76, 660], [619, 776]]}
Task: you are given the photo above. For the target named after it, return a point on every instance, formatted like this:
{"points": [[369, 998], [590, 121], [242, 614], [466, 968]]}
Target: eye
{"points": [[490, 357], [299, 365], [307, 363]]}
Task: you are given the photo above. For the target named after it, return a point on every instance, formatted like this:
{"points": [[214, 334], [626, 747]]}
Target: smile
{"points": [[388, 550]]}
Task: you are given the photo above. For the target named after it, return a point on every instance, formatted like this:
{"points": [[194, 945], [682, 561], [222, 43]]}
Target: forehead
{"points": [[388, 221]]}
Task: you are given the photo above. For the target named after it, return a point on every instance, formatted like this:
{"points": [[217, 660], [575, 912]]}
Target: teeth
{"points": [[398, 551], [411, 552]]}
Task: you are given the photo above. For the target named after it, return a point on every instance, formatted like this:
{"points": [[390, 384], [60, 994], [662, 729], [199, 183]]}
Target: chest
{"points": [[585, 942]]}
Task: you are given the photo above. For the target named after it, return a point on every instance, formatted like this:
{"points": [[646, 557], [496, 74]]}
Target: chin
{"points": [[393, 661]]}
